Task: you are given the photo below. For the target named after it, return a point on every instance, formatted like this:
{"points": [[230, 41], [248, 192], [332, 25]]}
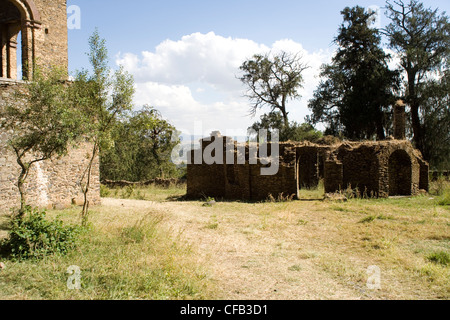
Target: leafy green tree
{"points": [[356, 91], [103, 97], [293, 132], [42, 124], [421, 38], [435, 117], [143, 143], [273, 81]]}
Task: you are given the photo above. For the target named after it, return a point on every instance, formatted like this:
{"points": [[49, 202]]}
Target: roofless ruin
{"points": [[377, 169]]}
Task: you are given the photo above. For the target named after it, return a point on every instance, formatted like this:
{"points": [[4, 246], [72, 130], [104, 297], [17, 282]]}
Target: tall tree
{"points": [[42, 124], [272, 81], [435, 114], [421, 38], [357, 87], [142, 146], [103, 97]]}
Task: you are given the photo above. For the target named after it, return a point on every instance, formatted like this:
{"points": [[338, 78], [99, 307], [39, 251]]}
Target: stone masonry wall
{"points": [[53, 183], [51, 38], [41, 28], [376, 169], [241, 181]]}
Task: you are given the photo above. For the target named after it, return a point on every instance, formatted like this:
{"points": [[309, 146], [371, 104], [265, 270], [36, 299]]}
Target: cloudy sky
{"points": [[185, 54]]}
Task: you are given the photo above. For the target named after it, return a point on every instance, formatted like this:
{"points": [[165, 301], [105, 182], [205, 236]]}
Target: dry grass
{"points": [[127, 253], [270, 250]]}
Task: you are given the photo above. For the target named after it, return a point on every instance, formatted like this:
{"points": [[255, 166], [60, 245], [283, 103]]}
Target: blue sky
{"points": [[185, 55]]}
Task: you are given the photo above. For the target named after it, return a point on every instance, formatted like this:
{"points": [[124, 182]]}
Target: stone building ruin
{"points": [[34, 32], [376, 169]]}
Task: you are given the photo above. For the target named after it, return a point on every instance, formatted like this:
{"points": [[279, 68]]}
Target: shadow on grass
{"points": [[203, 199]]}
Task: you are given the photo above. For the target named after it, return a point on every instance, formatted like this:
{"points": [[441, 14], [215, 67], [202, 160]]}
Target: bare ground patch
{"points": [[310, 250]]}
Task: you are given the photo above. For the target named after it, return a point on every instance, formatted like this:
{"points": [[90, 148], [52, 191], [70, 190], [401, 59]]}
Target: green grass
{"points": [[440, 257], [134, 254], [444, 200], [316, 193], [371, 218], [136, 258]]}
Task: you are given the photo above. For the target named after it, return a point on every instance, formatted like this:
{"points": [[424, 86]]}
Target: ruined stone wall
{"points": [[333, 176], [53, 183], [380, 169], [360, 167], [205, 179], [241, 181], [376, 169], [399, 165]]}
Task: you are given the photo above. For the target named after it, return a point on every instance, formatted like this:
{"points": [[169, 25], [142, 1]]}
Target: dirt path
{"points": [[249, 256]]}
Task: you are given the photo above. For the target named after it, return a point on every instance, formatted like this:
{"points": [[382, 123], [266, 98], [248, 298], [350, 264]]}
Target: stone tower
{"points": [[34, 33], [399, 120], [40, 27]]}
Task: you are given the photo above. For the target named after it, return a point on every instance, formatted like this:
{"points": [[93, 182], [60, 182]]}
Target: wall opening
{"points": [[14, 46], [308, 170], [400, 174], [19, 57]]}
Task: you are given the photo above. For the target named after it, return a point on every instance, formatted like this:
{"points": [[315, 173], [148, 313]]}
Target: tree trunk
{"points": [[85, 210], [158, 161], [285, 114], [380, 128], [21, 186], [415, 118]]}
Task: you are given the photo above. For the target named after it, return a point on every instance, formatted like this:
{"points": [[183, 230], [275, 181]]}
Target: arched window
{"points": [[18, 19]]}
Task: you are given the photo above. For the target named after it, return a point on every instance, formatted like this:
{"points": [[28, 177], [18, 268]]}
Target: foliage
{"points": [[272, 81], [435, 114], [120, 256], [34, 237], [440, 257], [442, 190], [421, 38], [356, 92], [142, 145], [293, 132], [43, 123], [103, 97]]}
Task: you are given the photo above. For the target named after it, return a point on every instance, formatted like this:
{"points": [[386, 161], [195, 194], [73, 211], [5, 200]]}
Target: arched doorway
{"points": [[400, 174], [18, 18]]}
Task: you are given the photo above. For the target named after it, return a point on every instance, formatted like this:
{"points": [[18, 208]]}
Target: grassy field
{"points": [[124, 254], [154, 246]]}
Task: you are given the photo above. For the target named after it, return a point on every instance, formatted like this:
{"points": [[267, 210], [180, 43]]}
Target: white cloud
{"points": [[196, 57], [194, 79]]}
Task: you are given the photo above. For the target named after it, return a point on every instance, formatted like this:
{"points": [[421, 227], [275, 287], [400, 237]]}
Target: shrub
{"points": [[441, 257], [104, 191], [127, 192], [444, 200], [35, 237]]}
